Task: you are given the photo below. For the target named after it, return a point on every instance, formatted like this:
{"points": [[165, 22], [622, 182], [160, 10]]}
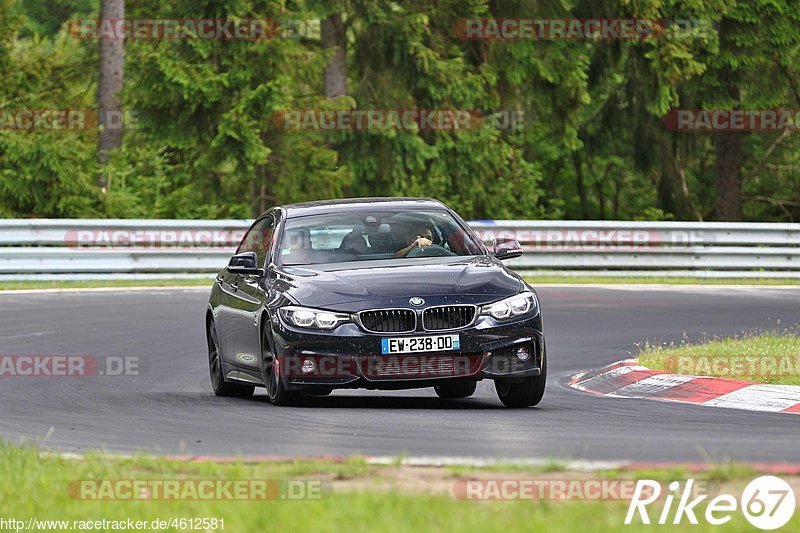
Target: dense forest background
{"points": [[593, 144]]}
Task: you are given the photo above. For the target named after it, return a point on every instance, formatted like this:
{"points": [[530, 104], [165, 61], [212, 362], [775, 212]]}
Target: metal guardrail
{"points": [[80, 249], [695, 249]]}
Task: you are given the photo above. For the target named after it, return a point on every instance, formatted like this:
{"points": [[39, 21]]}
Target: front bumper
{"points": [[348, 357]]}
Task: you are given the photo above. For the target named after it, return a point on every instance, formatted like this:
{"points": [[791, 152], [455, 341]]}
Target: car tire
{"points": [[276, 391], [218, 383], [526, 393], [458, 389]]}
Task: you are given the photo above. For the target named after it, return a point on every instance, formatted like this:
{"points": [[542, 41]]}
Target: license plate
{"points": [[431, 343]]}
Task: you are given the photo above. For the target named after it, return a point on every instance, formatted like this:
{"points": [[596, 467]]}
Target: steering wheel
{"points": [[434, 250]]}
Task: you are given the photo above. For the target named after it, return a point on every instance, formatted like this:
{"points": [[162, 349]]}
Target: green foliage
{"points": [[45, 17], [592, 145], [46, 173]]}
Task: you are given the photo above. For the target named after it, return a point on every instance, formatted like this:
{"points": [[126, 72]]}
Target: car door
{"points": [[239, 318], [223, 309]]}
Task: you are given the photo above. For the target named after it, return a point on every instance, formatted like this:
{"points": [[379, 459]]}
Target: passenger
{"points": [[357, 241], [420, 237], [298, 244]]}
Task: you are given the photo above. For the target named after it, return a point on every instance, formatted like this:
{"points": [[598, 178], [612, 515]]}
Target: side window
{"points": [[258, 238]]}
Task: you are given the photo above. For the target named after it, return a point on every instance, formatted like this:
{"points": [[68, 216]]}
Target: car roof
{"points": [[359, 204]]}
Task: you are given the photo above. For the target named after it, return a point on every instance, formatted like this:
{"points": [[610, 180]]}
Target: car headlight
{"points": [[519, 304], [305, 317]]}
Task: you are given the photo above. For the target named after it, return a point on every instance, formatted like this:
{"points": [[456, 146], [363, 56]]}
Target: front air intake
{"points": [[388, 320], [448, 317]]}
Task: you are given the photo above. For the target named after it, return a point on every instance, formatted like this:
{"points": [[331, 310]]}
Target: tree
{"points": [[728, 144], [109, 103], [758, 55], [45, 17], [44, 172], [334, 39], [588, 139]]}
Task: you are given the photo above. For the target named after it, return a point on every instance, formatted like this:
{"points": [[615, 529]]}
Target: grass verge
{"points": [[363, 497], [762, 356]]}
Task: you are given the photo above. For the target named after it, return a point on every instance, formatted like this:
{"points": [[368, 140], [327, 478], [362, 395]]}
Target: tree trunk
{"points": [[332, 33], [109, 105], [673, 191], [580, 185], [728, 144], [599, 187]]}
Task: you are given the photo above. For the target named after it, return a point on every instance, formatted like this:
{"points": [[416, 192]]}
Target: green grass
{"points": [[180, 282], [633, 280], [547, 467], [713, 471], [763, 356], [36, 485]]}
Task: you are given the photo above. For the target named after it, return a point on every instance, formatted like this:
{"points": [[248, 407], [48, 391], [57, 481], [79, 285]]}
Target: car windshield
{"points": [[371, 236]]}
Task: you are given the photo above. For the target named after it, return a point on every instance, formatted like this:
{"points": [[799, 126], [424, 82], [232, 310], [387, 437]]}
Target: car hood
{"points": [[390, 283]]}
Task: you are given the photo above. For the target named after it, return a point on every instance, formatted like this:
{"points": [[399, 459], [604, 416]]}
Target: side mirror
{"points": [[506, 248], [244, 263]]}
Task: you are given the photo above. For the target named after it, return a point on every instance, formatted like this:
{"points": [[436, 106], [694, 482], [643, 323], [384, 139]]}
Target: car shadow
{"points": [[389, 402]]}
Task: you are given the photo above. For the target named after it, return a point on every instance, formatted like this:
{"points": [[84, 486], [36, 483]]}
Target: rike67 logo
{"points": [[768, 503]]}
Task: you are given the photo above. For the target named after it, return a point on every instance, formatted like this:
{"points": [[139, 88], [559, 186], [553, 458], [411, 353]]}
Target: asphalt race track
{"points": [[169, 407]]}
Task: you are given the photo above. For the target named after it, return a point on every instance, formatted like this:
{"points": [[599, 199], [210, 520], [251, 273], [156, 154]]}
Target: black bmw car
{"points": [[374, 293]]}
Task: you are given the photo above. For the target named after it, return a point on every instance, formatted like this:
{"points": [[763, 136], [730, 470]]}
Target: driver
{"points": [[420, 237]]}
